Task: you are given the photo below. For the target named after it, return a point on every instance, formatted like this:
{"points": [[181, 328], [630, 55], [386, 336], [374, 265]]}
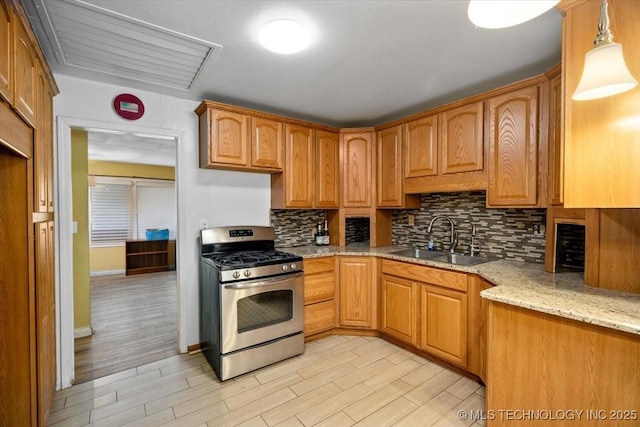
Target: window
{"points": [[124, 208]]}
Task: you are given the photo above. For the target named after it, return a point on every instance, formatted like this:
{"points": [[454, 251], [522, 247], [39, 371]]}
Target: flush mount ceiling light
{"points": [[284, 36], [501, 14], [605, 72]]}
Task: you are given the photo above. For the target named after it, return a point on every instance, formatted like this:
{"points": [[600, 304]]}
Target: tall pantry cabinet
{"points": [[27, 235]]}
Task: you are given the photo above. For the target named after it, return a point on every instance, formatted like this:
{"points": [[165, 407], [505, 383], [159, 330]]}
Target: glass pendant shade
{"points": [[605, 73], [501, 14]]}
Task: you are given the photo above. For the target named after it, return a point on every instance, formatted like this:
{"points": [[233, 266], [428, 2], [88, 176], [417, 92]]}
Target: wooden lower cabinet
{"points": [[443, 323], [540, 362], [319, 295], [399, 305], [357, 292]]}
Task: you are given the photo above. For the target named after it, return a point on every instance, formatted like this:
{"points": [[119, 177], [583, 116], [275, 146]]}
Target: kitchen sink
{"points": [[440, 256]]}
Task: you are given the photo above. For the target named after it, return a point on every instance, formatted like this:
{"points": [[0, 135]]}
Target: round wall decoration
{"points": [[128, 106]]}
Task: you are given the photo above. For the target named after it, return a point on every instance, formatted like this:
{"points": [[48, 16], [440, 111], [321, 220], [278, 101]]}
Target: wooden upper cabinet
{"points": [[224, 138], [461, 139], [357, 292], [6, 51], [421, 147], [299, 167], [556, 146], [601, 140], [513, 147], [25, 72], [389, 169], [43, 148], [327, 162], [266, 143], [356, 169]]}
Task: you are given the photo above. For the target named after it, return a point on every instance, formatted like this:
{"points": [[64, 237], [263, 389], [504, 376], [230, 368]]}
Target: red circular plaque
{"points": [[128, 106]]}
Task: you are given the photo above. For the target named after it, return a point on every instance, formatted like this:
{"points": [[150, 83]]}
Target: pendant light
{"points": [[605, 72], [501, 14]]}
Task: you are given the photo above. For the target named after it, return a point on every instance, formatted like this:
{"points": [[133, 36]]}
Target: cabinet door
{"points": [[228, 138], [443, 323], [399, 304], [319, 317], [24, 89], [357, 170], [421, 147], [390, 167], [556, 149], [6, 49], [513, 147], [461, 139], [299, 168], [45, 320], [356, 292], [43, 150], [328, 172], [266, 143]]}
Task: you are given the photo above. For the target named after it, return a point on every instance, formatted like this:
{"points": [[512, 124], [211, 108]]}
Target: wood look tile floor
{"points": [[338, 381], [134, 321]]}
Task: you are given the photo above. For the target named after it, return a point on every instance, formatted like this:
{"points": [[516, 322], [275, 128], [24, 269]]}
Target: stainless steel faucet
{"points": [[454, 234], [473, 248]]}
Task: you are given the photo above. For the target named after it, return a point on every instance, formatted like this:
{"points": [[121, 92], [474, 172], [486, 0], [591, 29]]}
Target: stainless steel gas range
{"points": [[251, 300]]}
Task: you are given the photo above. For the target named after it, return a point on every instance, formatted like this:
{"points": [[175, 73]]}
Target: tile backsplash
{"points": [[500, 233], [294, 227]]}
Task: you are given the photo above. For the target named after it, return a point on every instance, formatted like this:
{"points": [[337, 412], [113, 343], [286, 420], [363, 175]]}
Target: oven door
{"points": [[258, 311]]}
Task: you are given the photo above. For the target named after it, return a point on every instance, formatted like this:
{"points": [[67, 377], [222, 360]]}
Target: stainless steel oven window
{"points": [[264, 309]]}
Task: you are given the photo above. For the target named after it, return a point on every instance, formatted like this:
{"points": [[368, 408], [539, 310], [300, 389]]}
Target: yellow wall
{"points": [[131, 170], [79, 185], [112, 258]]}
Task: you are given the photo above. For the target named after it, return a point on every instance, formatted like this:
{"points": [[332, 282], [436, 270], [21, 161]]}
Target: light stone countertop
{"points": [[525, 285]]}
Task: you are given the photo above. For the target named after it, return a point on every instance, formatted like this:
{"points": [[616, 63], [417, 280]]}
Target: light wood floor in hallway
{"points": [[134, 321], [338, 381]]}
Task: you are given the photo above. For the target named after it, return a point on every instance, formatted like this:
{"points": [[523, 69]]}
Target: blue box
{"points": [[157, 233]]}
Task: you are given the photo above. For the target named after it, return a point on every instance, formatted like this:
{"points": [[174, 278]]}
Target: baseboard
{"points": [[106, 273], [85, 331]]}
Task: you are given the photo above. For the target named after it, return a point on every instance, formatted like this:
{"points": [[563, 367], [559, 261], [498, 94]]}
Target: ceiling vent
{"points": [[90, 37]]}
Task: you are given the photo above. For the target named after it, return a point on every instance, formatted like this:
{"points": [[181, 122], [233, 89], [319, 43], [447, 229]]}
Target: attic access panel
{"points": [[90, 37]]}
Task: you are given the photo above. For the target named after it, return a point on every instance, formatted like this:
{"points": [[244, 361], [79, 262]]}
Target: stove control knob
{"points": [[236, 274], [285, 267], [293, 266], [247, 273]]}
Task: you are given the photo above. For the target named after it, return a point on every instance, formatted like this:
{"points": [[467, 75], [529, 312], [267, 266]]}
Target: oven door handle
{"points": [[261, 283]]}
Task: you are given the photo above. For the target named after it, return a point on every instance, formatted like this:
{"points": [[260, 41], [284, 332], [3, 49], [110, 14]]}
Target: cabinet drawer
{"points": [[318, 265], [419, 273], [319, 317], [319, 287]]}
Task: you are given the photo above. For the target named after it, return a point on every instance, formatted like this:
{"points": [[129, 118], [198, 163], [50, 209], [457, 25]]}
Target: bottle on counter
{"points": [[319, 237], [325, 234], [431, 246]]}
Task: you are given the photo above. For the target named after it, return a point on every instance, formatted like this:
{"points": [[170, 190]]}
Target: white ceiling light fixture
{"points": [[501, 14], [284, 36], [605, 71]]}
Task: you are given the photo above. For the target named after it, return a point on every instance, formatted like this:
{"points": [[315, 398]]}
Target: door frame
{"points": [[65, 361]]}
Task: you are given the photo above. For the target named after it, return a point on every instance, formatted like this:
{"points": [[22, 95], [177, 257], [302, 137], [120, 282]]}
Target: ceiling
{"points": [[124, 147], [369, 61]]}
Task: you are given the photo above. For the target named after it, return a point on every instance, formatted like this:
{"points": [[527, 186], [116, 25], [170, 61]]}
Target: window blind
{"points": [[111, 213], [124, 208]]}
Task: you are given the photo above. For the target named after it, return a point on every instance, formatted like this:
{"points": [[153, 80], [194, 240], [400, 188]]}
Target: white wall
{"points": [[219, 197]]}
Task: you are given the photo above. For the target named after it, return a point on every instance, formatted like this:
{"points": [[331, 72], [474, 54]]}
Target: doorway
{"points": [[66, 254]]}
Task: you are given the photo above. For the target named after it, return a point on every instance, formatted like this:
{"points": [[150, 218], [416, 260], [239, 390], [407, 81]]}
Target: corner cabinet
{"points": [[357, 292], [513, 149], [357, 176], [234, 140]]}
